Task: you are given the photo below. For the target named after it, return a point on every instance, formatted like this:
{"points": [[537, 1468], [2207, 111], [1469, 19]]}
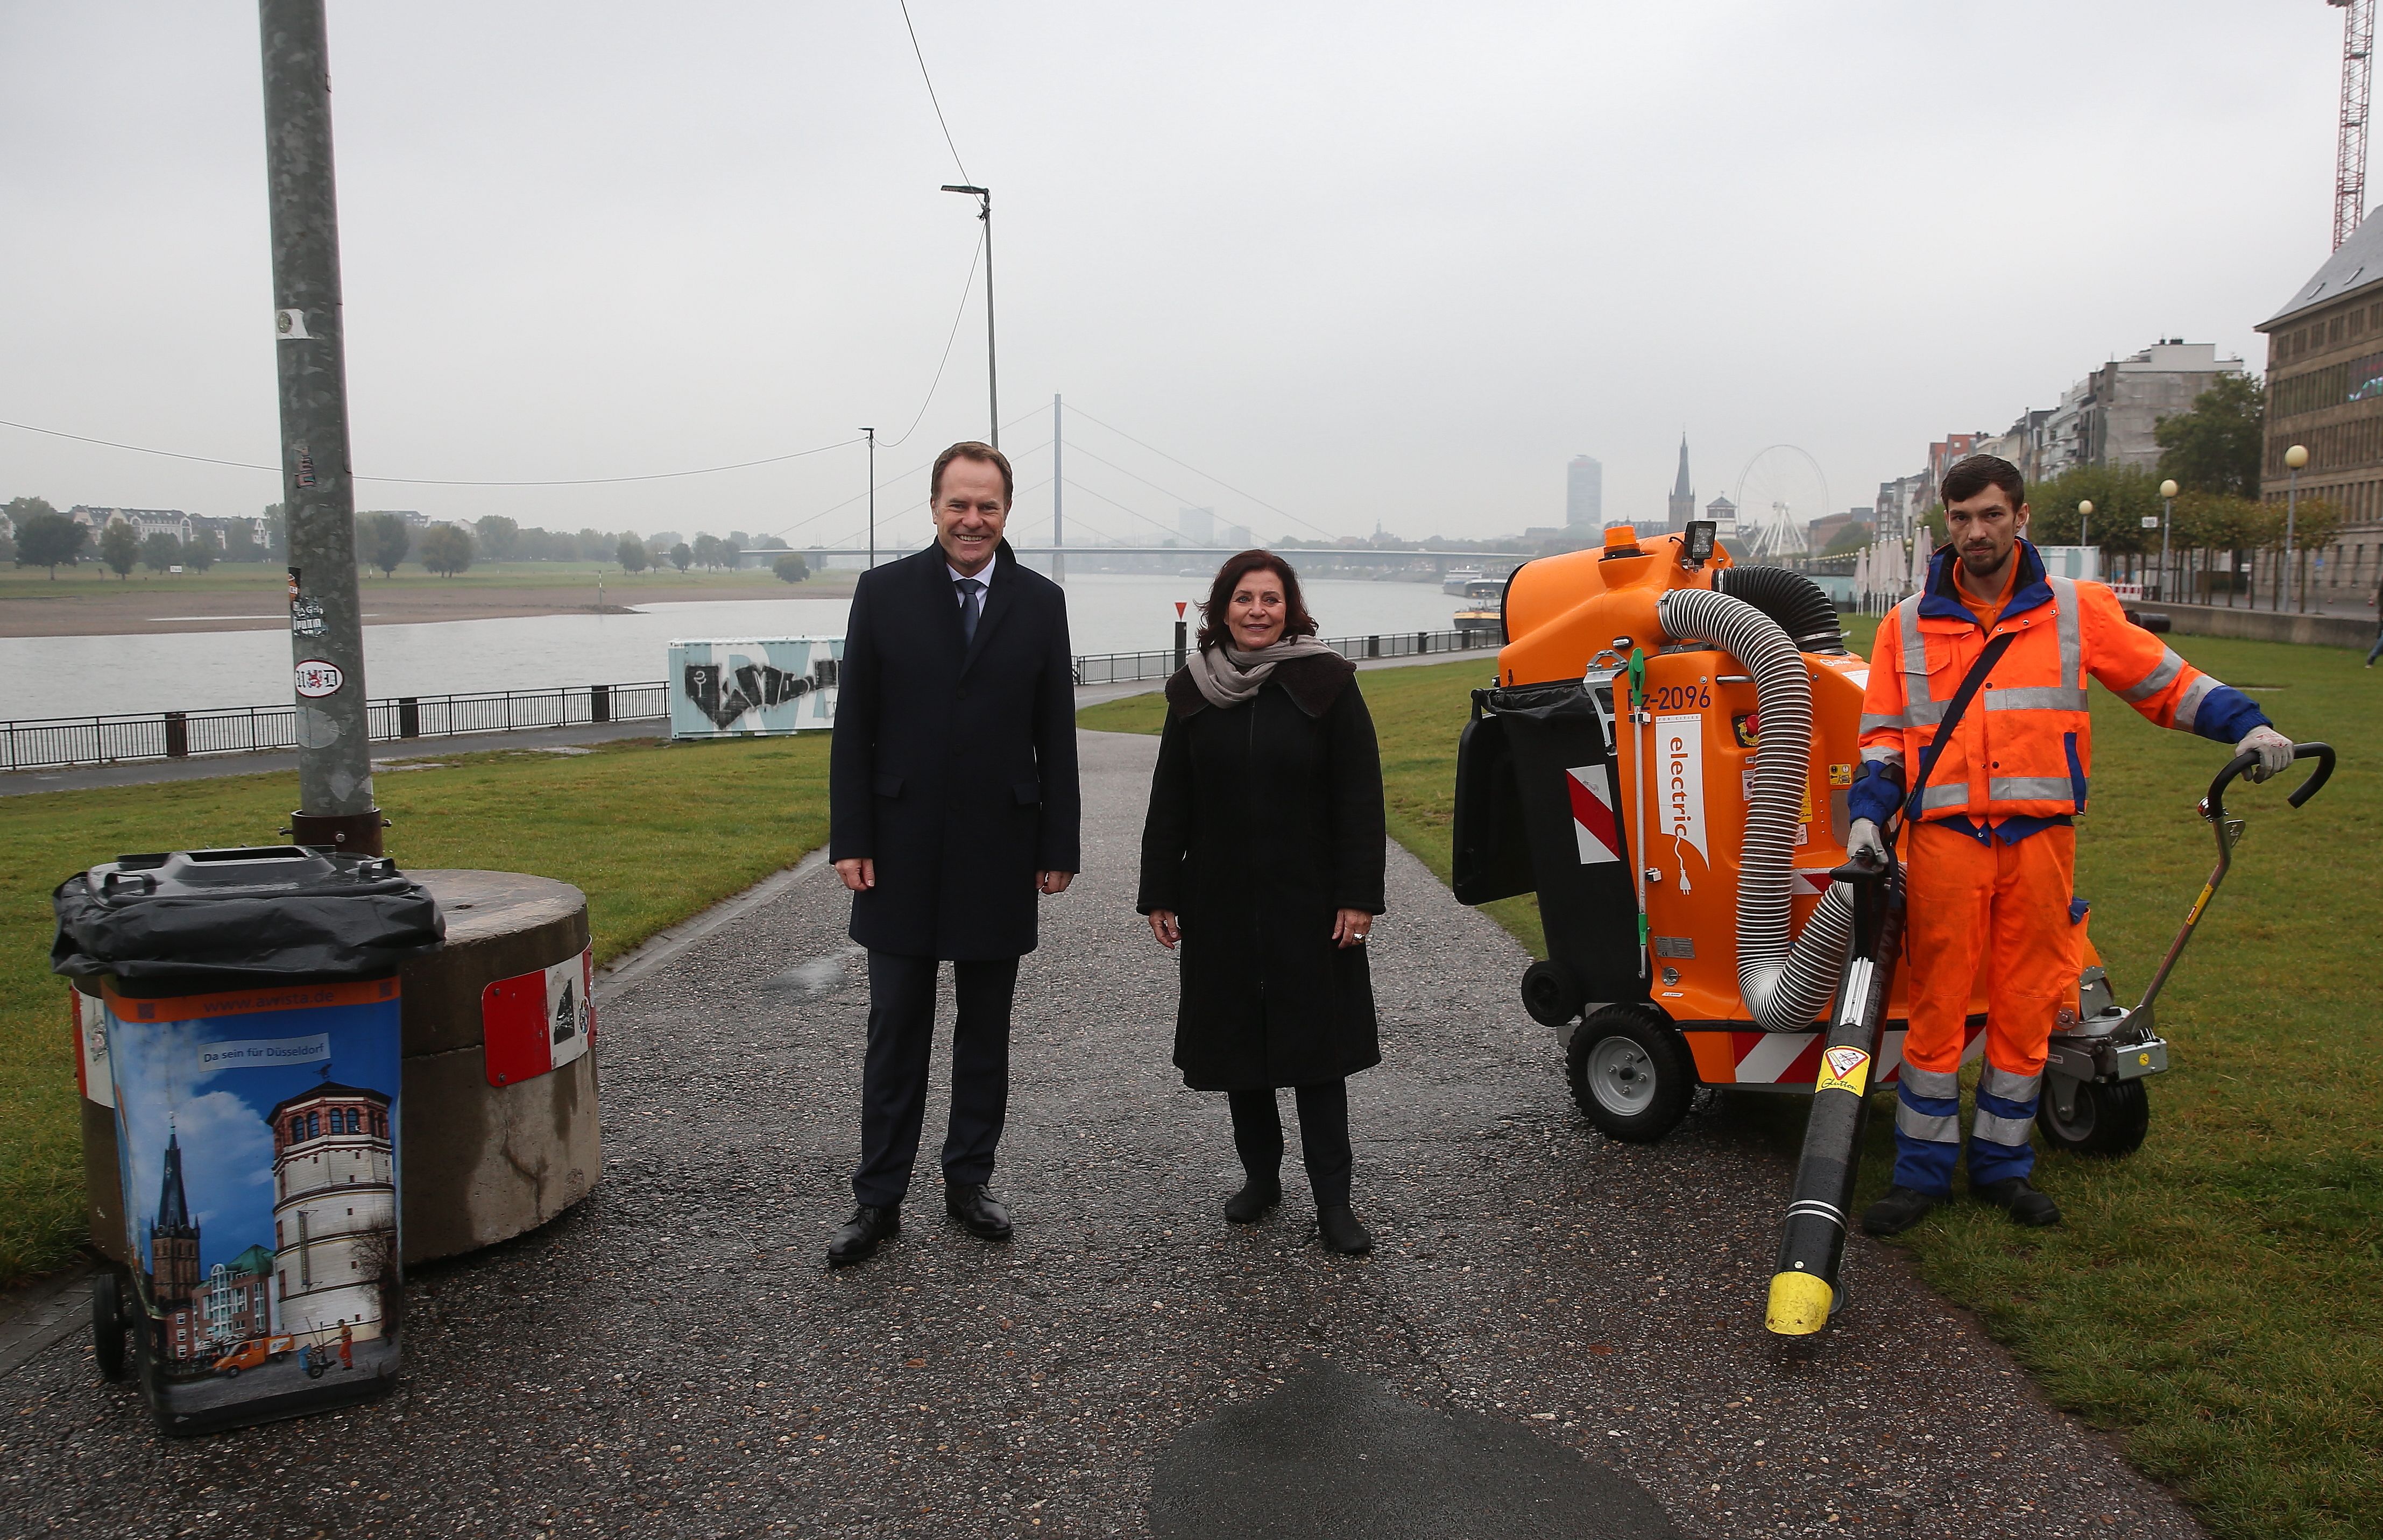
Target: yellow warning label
{"points": [[1841, 775], [1844, 1069], [2199, 903]]}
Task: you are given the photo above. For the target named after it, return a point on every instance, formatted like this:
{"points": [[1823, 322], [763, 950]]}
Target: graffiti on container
{"points": [[722, 695]]}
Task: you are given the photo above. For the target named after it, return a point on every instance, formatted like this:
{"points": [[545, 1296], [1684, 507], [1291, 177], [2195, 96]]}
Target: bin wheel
{"points": [[315, 1370], [1630, 1073], [108, 1326], [2108, 1118], [1551, 993]]}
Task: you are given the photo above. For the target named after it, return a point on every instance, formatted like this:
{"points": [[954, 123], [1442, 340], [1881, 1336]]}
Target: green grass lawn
{"points": [[2216, 1298], [652, 834]]}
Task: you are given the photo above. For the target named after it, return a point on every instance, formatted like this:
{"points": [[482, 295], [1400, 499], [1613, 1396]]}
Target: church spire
{"points": [[173, 1208], [1684, 497]]}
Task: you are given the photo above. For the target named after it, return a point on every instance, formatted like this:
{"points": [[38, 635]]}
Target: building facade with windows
{"points": [[2325, 392], [334, 1210]]}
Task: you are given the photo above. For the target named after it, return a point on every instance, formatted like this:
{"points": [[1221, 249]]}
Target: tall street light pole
{"points": [[2295, 458], [2167, 517], [1058, 528], [335, 790], [992, 371], [873, 497], [2084, 517]]}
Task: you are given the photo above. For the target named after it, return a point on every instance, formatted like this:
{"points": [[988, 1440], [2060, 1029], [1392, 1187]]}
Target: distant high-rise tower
{"points": [[1585, 495], [1683, 496]]}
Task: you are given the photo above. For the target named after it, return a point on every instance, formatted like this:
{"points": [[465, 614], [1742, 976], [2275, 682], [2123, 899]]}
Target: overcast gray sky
{"points": [[1389, 261]]}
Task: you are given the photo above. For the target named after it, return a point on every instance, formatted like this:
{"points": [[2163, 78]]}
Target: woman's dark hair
{"points": [[1215, 629], [1971, 476]]}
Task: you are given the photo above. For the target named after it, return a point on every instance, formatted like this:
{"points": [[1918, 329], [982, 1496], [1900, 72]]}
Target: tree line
{"points": [[385, 540]]}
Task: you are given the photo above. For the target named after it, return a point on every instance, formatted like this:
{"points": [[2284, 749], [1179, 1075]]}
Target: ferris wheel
{"points": [[1781, 491]]}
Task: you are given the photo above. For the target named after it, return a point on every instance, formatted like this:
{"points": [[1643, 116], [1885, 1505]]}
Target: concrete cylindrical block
{"points": [[483, 1161]]}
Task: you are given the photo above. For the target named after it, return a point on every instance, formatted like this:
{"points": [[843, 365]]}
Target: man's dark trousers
{"points": [[894, 1079]]}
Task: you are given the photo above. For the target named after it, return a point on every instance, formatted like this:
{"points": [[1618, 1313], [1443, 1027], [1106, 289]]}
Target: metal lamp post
{"points": [[2084, 516], [873, 497], [992, 374], [2295, 458], [2167, 517], [335, 789]]}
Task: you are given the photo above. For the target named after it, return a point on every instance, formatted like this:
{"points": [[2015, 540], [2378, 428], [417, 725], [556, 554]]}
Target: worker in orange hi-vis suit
{"points": [[1992, 850]]}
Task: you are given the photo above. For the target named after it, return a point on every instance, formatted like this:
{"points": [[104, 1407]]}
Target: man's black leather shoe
{"points": [[1898, 1210], [1341, 1232], [2021, 1202], [856, 1241], [983, 1213], [1249, 1205]]}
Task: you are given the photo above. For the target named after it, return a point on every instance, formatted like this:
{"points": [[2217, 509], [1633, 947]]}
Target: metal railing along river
{"points": [[54, 743]]}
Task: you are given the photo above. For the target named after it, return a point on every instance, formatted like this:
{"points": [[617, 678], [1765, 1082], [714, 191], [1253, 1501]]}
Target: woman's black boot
{"points": [[1341, 1232], [1257, 1195]]}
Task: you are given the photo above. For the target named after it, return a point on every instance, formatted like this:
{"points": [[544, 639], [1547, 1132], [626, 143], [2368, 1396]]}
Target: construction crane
{"points": [[2349, 149]]}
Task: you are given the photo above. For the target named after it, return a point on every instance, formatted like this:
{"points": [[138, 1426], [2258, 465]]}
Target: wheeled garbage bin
{"points": [[248, 1001], [1536, 813]]}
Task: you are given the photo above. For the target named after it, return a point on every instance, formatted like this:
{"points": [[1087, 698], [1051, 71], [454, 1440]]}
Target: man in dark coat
{"points": [[953, 804]]}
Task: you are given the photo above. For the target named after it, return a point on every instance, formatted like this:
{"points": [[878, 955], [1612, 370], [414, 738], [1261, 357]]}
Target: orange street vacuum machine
{"points": [[1665, 760]]}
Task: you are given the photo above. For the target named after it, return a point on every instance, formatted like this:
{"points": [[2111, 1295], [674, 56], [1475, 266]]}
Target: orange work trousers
{"points": [[1983, 906]]}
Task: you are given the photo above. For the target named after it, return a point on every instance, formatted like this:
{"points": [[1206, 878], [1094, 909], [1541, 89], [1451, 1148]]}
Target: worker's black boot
{"points": [[2021, 1202], [1898, 1210]]}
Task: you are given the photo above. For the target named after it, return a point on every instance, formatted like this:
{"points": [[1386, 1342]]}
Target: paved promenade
{"points": [[673, 1357]]}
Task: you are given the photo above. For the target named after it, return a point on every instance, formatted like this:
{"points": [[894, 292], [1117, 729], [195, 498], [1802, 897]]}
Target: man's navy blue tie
{"points": [[970, 606]]}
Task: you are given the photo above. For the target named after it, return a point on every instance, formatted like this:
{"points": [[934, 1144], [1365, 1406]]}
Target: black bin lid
{"points": [[209, 919]]}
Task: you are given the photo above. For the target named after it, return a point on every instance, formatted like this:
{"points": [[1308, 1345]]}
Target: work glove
{"points": [[1866, 842], [2275, 752]]}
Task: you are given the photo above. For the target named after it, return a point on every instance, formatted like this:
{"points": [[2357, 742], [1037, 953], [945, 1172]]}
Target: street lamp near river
{"points": [[2295, 458], [2167, 517]]}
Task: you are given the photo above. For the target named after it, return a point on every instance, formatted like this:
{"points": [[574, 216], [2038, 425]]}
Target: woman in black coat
{"points": [[1262, 856]]}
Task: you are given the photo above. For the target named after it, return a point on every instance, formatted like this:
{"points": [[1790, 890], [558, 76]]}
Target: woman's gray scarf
{"points": [[1228, 676]]}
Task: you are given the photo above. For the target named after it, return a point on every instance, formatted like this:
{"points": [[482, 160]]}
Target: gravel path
{"points": [[673, 1357]]}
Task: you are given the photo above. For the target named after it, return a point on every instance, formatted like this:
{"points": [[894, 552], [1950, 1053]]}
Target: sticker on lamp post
{"points": [[319, 677]]}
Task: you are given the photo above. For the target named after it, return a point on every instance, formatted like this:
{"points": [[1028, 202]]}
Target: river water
{"points": [[61, 676]]}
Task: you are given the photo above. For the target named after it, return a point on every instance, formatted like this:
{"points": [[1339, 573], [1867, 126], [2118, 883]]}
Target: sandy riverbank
{"points": [[158, 607]]}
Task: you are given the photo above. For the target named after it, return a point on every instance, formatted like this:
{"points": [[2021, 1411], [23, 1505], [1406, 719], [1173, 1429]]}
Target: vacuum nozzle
{"points": [[1799, 1304]]}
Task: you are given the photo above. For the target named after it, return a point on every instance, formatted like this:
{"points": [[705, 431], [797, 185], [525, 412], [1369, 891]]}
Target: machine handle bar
{"points": [[2321, 753]]}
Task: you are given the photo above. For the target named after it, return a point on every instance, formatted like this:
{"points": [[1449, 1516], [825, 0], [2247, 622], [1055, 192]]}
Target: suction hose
{"points": [[1785, 987], [1807, 615]]}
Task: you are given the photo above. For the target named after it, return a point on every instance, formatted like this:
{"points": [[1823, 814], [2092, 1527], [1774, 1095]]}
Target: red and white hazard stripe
{"points": [[1591, 788]]}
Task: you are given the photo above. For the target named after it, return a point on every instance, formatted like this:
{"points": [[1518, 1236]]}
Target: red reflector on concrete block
{"points": [[535, 1022]]}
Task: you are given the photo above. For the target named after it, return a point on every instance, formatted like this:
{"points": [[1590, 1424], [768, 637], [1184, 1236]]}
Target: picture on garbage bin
{"points": [[257, 1136]]}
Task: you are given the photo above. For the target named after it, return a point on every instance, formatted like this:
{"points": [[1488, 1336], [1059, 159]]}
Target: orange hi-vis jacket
{"points": [[2024, 749]]}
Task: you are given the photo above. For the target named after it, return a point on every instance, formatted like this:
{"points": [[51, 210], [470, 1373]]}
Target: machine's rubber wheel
{"points": [[1631, 1073], [2108, 1118], [1551, 993], [108, 1326]]}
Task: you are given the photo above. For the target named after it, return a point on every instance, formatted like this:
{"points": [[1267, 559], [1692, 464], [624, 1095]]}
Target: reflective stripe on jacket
{"points": [[2025, 746]]}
